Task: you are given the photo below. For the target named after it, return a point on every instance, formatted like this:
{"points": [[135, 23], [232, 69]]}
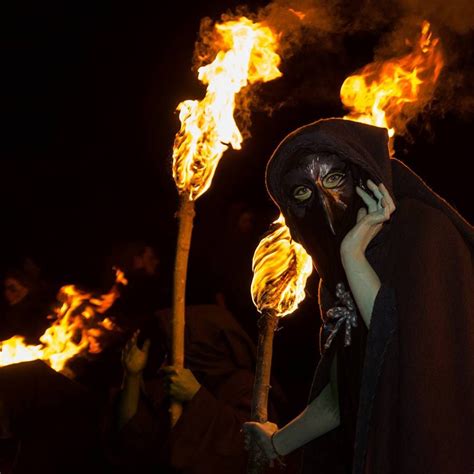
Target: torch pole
{"points": [[186, 217], [267, 325]]}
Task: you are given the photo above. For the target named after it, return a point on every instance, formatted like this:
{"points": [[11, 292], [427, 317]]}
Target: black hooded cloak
{"points": [[406, 386], [208, 436]]}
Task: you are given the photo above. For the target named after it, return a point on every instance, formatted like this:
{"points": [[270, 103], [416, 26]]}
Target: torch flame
{"points": [[208, 127], [389, 93], [73, 331], [281, 268]]}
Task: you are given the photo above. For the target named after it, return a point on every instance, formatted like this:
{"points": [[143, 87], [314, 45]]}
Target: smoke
{"points": [[302, 22], [331, 25], [324, 41], [457, 15]]}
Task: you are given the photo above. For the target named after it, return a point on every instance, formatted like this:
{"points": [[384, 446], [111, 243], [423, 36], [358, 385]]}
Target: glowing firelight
{"points": [[208, 127], [75, 328], [389, 93], [297, 13], [281, 268]]}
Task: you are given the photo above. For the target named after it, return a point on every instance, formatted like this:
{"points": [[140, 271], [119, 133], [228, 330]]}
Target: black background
{"points": [[88, 101]]}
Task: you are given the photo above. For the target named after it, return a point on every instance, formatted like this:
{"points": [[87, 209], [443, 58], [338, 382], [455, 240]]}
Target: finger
{"points": [[249, 425], [146, 346], [387, 198], [361, 214], [169, 369], [375, 189], [368, 200]]}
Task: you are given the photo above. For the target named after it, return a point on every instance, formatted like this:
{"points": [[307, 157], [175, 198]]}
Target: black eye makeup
{"points": [[333, 180], [301, 193]]}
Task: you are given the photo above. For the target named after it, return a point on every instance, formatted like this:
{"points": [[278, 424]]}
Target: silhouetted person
{"points": [[233, 264], [27, 305], [215, 389], [146, 291]]}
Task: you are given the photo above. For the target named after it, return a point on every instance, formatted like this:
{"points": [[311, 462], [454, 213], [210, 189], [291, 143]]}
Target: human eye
{"points": [[302, 193], [333, 180]]}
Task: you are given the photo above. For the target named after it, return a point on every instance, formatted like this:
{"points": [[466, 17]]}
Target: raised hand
{"points": [[134, 359], [369, 221]]}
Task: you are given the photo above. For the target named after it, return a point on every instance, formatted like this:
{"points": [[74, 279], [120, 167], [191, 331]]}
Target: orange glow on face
{"points": [[208, 128], [389, 93], [75, 329], [280, 270]]}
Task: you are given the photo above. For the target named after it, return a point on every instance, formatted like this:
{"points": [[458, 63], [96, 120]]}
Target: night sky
{"points": [[88, 102]]}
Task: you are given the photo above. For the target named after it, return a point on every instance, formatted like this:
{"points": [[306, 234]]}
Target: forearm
{"points": [[363, 281], [128, 400], [319, 417]]}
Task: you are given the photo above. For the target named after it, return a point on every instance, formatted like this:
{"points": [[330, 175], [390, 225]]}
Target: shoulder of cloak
{"points": [[422, 231], [433, 282], [408, 185]]}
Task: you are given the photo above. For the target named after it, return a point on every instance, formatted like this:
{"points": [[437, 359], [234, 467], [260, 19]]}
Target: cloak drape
{"points": [[406, 386]]}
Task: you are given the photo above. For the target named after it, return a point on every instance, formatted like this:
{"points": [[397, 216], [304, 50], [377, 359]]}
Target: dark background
{"points": [[88, 101], [88, 98]]}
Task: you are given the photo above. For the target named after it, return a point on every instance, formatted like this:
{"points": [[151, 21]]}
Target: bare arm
{"points": [[318, 418], [134, 361], [364, 284], [129, 397], [363, 280]]}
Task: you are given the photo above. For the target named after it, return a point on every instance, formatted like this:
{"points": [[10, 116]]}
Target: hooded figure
{"points": [[406, 385], [207, 437]]}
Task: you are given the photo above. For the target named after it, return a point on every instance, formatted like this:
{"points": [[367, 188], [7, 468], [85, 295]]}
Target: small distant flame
{"points": [[75, 329], [208, 127], [390, 93], [281, 267]]}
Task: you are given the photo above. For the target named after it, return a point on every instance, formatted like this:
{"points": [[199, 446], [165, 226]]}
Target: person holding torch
{"points": [[393, 390]]}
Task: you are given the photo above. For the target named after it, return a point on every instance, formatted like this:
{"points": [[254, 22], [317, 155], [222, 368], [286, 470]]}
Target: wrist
{"points": [[351, 254], [133, 375], [279, 455], [193, 393], [276, 445]]}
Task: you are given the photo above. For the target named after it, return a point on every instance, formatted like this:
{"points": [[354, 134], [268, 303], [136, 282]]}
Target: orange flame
{"points": [[74, 330], [281, 268], [389, 93], [208, 127]]}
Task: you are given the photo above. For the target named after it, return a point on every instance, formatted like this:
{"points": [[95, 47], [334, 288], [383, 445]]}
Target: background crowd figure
{"points": [[111, 411]]}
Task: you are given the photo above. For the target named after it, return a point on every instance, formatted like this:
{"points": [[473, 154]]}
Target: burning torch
{"points": [[208, 128], [390, 93], [280, 270]]}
